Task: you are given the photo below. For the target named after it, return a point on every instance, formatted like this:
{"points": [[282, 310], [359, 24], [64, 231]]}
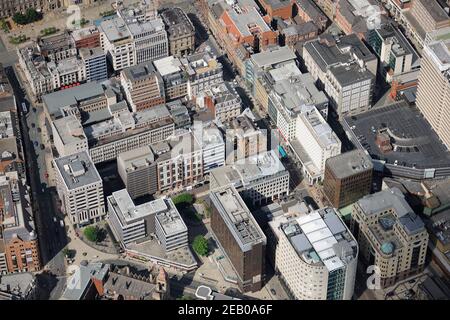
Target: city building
{"points": [[68, 136], [206, 293], [180, 114], [358, 16], [67, 72], [137, 223], [295, 33], [9, 8], [315, 254], [94, 60], [260, 179], [240, 29], [222, 101], [308, 10], [240, 237], [347, 178], [88, 37], [277, 8], [244, 139], [314, 143], [346, 69], [19, 247], [181, 32], [210, 140], [175, 78], [204, 72], [137, 169], [290, 92], [57, 47], [390, 235], [433, 91], [80, 189], [18, 286], [143, 86]]}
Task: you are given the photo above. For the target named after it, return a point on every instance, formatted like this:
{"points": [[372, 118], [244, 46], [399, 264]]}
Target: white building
{"points": [[67, 71], [315, 254], [68, 136], [260, 178], [314, 143], [80, 189], [211, 142]]}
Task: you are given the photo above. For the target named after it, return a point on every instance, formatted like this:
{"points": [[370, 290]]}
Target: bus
{"points": [[281, 151]]}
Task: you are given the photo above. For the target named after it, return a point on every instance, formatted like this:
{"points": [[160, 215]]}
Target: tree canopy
{"points": [[200, 245]]}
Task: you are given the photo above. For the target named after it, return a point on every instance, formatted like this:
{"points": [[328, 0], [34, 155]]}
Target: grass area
{"points": [[4, 25], [19, 39], [49, 31]]}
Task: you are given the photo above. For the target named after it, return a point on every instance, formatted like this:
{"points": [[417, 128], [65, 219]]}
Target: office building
{"points": [[68, 136], [244, 139], [67, 72], [309, 11], [80, 189], [277, 8], [433, 91], [314, 143], [57, 47], [222, 101], [204, 72], [19, 248], [390, 235], [181, 32], [347, 178], [239, 236], [88, 37], [315, 254], [143, 86], [137, 168], [346, 69], [210, 140], [94, 60], [174, 77], [260, 179]]}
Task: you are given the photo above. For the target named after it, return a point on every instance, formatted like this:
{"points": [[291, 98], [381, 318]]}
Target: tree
{"points": [[19, 18], [32, 15], [200, 245], [92, 233], [183, 200]]}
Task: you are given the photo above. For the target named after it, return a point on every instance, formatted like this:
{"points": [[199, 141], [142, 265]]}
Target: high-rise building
{"points": [[315, 254], [433, 92], [94, 60], [390, 235], [80, 189], [239, 236], [347, 178]]}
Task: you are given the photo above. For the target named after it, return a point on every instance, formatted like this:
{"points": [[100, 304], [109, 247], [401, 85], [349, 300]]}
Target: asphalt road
{"points": [[52, 237]]}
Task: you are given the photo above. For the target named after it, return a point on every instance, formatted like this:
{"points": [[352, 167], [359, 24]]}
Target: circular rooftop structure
{"points": [[387, 248]]}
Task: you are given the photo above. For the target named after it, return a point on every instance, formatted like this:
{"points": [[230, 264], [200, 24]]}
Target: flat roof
{"points": [[167, 65], [237, 217], [115, 29], [417, 144], [77, 170], [136, 158], [273, 57], [349, 163]]}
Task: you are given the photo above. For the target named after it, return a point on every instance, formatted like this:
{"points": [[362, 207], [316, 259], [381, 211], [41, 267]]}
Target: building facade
{"points": [[180, 30]]}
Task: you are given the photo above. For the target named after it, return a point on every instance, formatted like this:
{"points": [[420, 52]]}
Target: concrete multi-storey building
{"points": [[204, 71], [347, 178], [143, 86], [132, 223], [80, 189], [67, 72], [19, 249], [433, 92], [94, 60], [57, 47], [137, 168], [341, 66], [88, 37], [222, 101], [175, 77], [68, 136], [260, 178], [181, 32], [290, 92], [314, 143], [390, 235], [239, 236], [150, 40], [243, 139], [315, 254], [210, 140], [118, 43]]}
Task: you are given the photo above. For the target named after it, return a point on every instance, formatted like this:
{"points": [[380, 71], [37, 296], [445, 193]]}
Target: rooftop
{"points": [[272, 57], [69, 129], [115, 29], [136, 158], [170, 219], [319, 238], [246, 17], [177, 22], [77, 170], [349, 163], [167, 65], [79, 281], [237, 217], [414, 142]]}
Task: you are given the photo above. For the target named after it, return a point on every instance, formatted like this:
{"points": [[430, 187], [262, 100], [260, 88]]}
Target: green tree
{"points": [[32, 15], [19, 18], [183, 200], [92, 233], [200, 245]]}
